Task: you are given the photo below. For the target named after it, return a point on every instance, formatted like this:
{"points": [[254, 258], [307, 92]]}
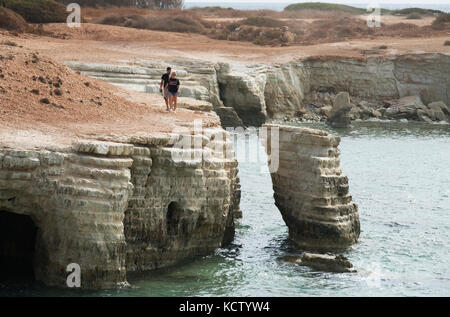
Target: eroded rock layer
{"points": [[251, 94], [118, 207], [310, 190], [181, 208]]}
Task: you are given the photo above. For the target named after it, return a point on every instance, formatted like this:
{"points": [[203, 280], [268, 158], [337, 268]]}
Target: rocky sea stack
{"points": [[311, 192]]}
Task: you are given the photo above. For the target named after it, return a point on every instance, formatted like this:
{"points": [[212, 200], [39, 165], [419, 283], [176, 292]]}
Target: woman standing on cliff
{"points": [[173, 87]]}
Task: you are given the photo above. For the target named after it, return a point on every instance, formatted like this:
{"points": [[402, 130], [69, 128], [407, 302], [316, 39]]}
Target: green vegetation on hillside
{"points": [[210, 9], [322, 6], [419, 11], [38, 11], [12, 21], [441, 22]]}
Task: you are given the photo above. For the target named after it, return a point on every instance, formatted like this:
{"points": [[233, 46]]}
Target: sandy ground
{"points": [[111, 44]]}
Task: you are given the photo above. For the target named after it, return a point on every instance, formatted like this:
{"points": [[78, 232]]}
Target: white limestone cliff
{"points": [[257, 93], [117, 207], [310, 190]]}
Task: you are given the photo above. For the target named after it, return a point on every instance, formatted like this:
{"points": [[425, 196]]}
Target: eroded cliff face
{"points": [[291, 87], [116, 207], [181, 208], [381, 78], [77, 201], [199, 80], [311, 192], [258, 92]]}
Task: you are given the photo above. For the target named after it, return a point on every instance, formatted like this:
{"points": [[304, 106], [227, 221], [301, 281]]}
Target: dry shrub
{"points": [[260, 35], [261, 27], [400, 29], [414, 16], [96, 14], [335, 29], [183, 24], [168, 22], [318, 34], [223, 12], [400, 26], [12, 21], [263, 22], [345, 32], [441, 22], [112, 19], [314, 14], [258, 30], [38, 11], [8, 43]]}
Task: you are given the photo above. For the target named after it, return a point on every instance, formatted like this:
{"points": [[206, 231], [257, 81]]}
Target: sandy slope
{"points": [[74, 105]]}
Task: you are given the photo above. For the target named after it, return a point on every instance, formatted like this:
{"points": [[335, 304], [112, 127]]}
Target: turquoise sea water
{"points": [[399, 176]]}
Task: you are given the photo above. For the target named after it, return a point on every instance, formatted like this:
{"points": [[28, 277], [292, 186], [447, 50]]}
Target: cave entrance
{"points": [[17, 247], [176, 226]]}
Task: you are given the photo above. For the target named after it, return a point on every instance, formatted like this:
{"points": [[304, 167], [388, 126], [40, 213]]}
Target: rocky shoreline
{"points": [[310, 189], [413, 87], [406, 109]]}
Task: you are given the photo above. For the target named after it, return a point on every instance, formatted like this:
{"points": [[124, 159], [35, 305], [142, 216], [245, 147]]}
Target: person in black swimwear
{"points": [[164, 80], [173, 88]]}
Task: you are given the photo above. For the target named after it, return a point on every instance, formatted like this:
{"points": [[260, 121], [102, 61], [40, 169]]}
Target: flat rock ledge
{"points": [[323, 262], [310, 190], [115, 208]]}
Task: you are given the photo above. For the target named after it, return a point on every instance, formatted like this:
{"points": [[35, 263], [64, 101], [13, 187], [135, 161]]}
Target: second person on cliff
{"points": [[173, 87]]}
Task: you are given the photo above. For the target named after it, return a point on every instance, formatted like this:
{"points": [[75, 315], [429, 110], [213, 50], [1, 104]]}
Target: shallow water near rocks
{"points": [[399, 176]]}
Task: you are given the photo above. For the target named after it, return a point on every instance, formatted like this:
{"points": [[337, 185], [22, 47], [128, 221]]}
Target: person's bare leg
{"points": [[175, 98], [167, 104], [166, 99], [171, 102]]}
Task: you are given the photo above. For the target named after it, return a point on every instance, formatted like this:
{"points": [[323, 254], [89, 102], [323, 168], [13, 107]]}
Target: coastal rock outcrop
{"points": [[199, 81], [339, 116], [243, 89], [323, 262], [310, 190], [114, 207], [438, 111], [405, 108], [327, 263], [256, 93]]}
